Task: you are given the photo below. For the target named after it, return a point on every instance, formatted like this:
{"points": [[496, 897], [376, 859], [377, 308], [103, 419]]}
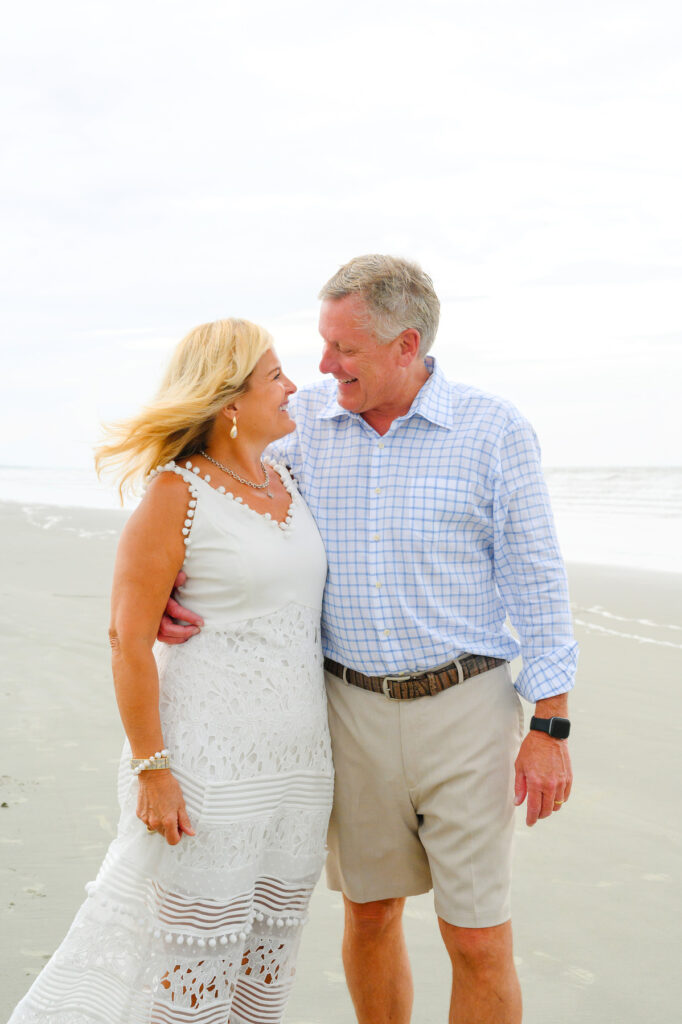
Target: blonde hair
{"points": [[397, 293], [209, 368]]}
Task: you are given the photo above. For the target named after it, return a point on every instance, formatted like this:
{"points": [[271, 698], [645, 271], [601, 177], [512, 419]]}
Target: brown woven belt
{"points": [[423, 684]]}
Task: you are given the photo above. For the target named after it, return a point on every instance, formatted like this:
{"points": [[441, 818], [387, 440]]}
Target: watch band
{"points": [[559, 728]]}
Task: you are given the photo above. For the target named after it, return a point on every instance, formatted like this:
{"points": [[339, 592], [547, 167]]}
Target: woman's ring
{"points": [[150, 829], [558, 803]]}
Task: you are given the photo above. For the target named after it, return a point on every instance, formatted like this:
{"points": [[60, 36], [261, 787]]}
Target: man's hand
{"points": [[543, 767], [543, 774], [171, 632]]}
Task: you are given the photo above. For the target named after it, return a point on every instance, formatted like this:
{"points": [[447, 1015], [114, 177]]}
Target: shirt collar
{"points": [[433, 401]]}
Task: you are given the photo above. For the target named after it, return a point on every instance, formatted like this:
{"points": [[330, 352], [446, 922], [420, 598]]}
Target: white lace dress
{"points": [[206, 932]]}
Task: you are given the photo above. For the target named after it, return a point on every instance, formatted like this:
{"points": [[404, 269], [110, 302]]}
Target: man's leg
{"points": [[375, 854], [485, 988], [375, 959]]}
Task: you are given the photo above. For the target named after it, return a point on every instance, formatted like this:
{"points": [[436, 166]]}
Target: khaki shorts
{"points": [[424, 796]]}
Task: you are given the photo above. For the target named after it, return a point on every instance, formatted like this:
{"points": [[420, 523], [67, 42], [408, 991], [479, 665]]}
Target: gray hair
{"points": [[398, 294]]}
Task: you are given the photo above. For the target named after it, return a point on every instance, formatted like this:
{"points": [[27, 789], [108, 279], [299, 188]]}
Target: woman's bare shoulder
{"points": [[169, 484], [150, 553], [162, 510]]}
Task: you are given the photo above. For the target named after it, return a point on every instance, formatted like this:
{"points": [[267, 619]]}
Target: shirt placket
{"points": [[376, 581]]}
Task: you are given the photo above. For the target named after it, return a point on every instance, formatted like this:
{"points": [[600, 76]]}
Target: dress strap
{"points": [[284, 473]]}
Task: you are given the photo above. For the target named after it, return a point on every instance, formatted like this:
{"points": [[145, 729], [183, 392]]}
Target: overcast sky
{"points": [[168, 163]]}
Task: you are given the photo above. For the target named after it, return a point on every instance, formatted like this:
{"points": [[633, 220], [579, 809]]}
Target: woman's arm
{"points": [[149, 556]]}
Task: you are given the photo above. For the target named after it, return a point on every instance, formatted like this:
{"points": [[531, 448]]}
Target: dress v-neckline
{"points": [[282, 524]]}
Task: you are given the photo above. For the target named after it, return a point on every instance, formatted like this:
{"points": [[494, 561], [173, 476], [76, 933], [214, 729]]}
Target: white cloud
{"points": [[165, 165]]}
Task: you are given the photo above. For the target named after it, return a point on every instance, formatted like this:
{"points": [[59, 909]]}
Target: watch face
{"points": [[559, 728]]}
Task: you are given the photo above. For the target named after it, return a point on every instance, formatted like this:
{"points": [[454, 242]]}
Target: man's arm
{"points": [[531, 578]]}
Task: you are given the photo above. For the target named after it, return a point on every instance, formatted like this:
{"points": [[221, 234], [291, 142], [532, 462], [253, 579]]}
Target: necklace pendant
{"points": [[269, 494]]}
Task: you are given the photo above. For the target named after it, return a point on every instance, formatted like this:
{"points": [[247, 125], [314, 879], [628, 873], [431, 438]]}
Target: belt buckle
{"points": [[393, 679]]}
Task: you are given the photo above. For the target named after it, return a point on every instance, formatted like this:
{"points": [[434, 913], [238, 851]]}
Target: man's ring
{"points": [[558, 803]]}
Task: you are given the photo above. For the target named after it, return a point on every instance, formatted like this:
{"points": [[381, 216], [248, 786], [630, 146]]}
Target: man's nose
{"points": [[327, 362]]}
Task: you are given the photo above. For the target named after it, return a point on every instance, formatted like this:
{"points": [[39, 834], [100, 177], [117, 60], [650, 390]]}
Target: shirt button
{"points": [[377, 490], [387, 632], [375, 537], [381, 444], [377, 585]]}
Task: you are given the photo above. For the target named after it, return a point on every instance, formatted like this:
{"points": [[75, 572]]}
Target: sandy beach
{"points": [[597, 890]]}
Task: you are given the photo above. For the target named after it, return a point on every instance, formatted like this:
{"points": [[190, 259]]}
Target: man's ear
{"points": [[409, 346]]}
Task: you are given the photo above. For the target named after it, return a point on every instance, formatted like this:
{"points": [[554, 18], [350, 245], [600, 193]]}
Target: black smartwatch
{"points": [[559, 728]]}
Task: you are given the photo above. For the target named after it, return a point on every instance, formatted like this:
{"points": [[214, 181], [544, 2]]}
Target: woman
{"points": [[225, 780]]}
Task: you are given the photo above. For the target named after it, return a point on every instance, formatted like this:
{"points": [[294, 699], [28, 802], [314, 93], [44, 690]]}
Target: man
{"points": [[430, 500]]}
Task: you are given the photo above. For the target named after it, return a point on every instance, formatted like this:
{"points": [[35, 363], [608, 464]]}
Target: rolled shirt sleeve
{"points": [[529, 570]]}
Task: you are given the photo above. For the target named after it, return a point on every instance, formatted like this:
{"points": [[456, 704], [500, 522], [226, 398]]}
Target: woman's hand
{"points": [[161, 806]]}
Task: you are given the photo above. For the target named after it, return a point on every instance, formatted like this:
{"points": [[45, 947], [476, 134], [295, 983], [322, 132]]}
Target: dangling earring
{"points": [[234, 431]]}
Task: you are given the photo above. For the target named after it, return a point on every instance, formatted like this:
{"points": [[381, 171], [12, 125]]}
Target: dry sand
{"points": [[597, 893]]}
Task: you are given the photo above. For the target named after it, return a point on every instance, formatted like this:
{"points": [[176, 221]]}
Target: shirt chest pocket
{"points": [[440, 503]]}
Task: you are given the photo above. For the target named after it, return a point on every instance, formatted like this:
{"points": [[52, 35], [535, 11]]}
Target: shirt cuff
{"points": [[549, 674]]}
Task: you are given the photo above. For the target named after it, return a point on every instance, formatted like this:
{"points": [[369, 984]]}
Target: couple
{"points": [[430, 502]]}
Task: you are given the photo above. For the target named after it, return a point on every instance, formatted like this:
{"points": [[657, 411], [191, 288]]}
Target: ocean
{"points": [[623, 516]]}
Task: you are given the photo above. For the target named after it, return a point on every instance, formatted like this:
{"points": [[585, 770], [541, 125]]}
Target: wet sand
{"points": [[597, 888]]}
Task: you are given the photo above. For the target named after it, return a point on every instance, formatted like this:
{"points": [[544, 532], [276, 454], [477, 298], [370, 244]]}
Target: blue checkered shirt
{"points": [[434, 533]]}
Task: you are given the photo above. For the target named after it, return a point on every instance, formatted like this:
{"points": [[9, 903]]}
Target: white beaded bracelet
{"points": [[161, 759]]}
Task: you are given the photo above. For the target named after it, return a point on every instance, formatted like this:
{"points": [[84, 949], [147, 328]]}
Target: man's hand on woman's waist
{"points": [[174, 632]]}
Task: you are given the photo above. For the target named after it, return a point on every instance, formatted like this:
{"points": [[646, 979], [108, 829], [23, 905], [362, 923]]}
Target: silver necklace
{"points": [[257, 487]]}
